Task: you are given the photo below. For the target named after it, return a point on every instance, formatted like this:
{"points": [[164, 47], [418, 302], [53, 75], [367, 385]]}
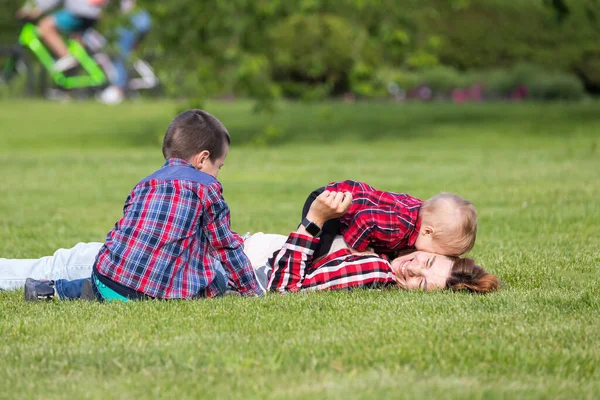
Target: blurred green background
{"points": [[313, 49]]}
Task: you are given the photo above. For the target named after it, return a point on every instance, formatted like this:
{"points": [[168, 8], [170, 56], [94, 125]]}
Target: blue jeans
{"points": [[69, 290], [128, 38]]}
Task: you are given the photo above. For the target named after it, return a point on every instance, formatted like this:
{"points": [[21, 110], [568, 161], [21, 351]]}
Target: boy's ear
{"points": [[427, 230], [199, 159]]}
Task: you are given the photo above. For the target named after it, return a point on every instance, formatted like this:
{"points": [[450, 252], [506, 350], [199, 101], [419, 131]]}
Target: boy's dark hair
{"points": [[192, 132]]}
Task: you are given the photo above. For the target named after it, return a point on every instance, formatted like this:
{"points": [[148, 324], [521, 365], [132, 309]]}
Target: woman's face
{"points": [[422, 270]]}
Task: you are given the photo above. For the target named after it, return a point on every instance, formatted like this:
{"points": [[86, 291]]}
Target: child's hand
{"points": [[329, 205]]}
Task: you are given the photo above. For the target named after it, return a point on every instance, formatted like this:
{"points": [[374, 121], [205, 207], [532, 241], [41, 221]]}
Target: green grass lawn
{"points": [[532, 171]]}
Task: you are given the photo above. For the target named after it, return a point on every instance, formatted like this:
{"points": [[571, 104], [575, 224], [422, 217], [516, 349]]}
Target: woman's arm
{"points": [[291, 261], [289, 265], [339, 270]]}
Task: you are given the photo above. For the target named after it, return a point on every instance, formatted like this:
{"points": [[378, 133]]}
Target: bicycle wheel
{"points": [[143, 80], [16, 75]]}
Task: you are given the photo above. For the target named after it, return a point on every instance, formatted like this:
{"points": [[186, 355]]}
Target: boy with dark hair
{"points": [[174, 239]]}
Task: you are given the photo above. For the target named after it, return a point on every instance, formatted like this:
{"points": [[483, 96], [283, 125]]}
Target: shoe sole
{"points": [[88, 292], [30, 294]]}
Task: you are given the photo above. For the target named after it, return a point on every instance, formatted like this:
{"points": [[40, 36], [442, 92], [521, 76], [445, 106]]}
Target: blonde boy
{"points": [[388, 222]]}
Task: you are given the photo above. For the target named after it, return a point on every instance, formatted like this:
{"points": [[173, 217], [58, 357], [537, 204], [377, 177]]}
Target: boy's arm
{"points": [[229, 245]]}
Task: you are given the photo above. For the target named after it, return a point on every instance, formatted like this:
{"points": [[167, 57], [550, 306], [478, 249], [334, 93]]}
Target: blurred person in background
{"points": [[75, 17], [137, 23]]}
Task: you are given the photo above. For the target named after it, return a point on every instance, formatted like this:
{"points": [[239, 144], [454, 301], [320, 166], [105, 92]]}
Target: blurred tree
{"points": [[315, 48], [561, 8], [8, 25], [588, 65]]}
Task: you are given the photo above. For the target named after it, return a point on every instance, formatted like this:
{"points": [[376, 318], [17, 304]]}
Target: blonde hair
{"points": [[454, 220]]}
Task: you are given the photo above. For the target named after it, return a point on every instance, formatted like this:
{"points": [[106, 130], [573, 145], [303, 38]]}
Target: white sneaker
{"points": [[111, 95], [65, 63]]}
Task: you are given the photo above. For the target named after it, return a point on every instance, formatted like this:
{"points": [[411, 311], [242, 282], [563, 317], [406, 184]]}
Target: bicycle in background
{"points": [[135, 25], [16, 61], [125, 72]]}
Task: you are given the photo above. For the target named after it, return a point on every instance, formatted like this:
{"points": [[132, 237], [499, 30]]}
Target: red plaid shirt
{"points": [[385, 221], [173, 237], [293, 269]]}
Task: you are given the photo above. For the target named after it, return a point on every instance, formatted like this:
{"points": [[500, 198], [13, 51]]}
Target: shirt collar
{"points": [[415, 233], [170, 162]]}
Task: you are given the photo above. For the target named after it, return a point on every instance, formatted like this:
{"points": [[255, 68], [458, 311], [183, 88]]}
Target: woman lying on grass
{"points": [[291, 269]]}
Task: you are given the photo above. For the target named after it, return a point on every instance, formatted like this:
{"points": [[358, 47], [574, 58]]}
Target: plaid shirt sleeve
{"points": [[344, 269], [375, 218], [290, 263], [229, 245], [292, 269], [379, 225]]}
